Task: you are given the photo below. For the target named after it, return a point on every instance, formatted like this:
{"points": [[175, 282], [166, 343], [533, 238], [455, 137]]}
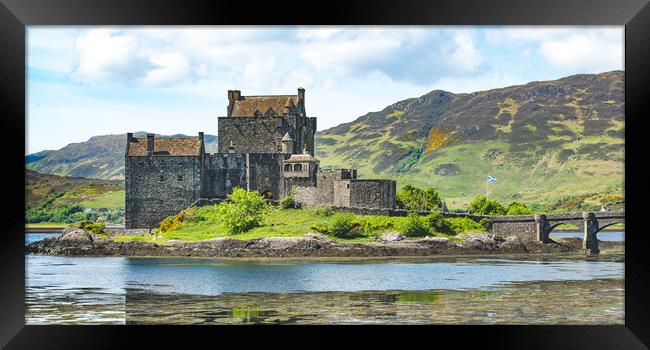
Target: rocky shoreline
{"points": [[76, 242]]}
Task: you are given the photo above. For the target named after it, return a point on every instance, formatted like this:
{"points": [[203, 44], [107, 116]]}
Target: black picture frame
{"points": [[16, 14]]}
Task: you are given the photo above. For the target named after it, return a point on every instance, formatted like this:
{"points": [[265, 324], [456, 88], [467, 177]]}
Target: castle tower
{"points": [[256, 124]]}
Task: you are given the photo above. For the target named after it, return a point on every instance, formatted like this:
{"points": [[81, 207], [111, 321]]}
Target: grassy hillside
{"points": [[101, 157], [63, 199], [545, 142]]}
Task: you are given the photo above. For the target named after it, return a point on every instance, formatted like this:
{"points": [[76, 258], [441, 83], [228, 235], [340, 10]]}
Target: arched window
{"points": [[287, 167], [297, 167]]}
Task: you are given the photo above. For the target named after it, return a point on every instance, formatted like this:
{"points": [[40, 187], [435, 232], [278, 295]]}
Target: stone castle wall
{"points": [[159, 186], [264, 134], [372, 193], [223, 172]]}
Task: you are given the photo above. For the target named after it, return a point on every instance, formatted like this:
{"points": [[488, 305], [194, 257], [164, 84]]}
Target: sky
{"points": [[87, 81]]}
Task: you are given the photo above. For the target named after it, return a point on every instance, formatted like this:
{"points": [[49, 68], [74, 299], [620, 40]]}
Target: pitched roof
{"points": [[287, 137], [305, 157], [247, 106], [172, 146]]}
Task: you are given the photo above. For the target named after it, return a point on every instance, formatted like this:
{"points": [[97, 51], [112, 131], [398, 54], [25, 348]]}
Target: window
{"points": [[297, 167], [179, 177], [347, 185], [287, 167], [161, 178]]}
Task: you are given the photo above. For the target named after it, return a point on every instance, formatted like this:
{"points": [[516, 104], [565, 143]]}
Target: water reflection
{"points": [[481, 290], [566, 302]]}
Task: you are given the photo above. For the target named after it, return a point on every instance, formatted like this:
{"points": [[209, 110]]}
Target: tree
{"points": [[516, 208], [414, 198], [243, 211], [483, 206]]}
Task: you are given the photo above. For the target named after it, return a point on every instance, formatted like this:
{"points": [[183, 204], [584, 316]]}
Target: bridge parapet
{"points": [[539, 226]]}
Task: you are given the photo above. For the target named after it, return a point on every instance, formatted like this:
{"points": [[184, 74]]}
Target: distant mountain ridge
{"points": [[543, 140], [546, 142], [101, 157]]}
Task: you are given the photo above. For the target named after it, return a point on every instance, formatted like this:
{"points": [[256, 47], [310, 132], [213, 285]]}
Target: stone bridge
{"points": [[539, 226]]}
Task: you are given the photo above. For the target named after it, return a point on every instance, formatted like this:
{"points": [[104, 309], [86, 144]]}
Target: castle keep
{"points": [[265, 143]]}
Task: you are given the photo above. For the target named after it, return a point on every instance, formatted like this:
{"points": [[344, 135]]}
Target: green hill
{"points": [[101, 157], [547, 143], [55, 198]]}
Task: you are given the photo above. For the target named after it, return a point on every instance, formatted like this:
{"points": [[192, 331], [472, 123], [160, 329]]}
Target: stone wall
{"points": [[264, 134], [325, 182], [159, 186], [513, 225], [265, 174], [223, 172], [305, 196], [371, 193], [251, 134]]}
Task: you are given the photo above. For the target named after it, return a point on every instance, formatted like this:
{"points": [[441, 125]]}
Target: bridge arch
{"points": [[600, 228], [569, 222]]}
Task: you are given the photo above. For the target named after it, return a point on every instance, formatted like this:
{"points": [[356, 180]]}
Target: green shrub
{"points": [[92, 227], [370, 224], [287, 202], [483, 206], [322, 210], [414, 198], [320, 228], [342, 225], [243, 211], [516, 208], [464, 225], [414, 226], [486, 223], [174, 222], [438, 223]]}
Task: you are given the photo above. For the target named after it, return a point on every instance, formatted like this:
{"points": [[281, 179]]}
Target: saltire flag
{"points": [[491, 179]]}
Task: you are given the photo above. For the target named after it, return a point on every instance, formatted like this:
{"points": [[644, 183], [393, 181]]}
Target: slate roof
{"points": [[172, 146], [247, 106]]}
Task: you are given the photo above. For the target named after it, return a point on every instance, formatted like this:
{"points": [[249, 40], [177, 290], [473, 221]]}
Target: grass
{"points": [[205, 225], [111, 200], [46, 225]]}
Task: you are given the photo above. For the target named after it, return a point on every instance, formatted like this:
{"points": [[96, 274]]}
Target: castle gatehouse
{"points": [[265, 143]]}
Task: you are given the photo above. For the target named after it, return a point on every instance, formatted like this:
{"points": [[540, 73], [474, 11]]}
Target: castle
{"points": [[265, 143]]}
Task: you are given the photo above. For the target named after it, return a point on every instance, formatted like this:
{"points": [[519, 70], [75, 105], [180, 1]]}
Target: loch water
{"points": [[461, 290]]}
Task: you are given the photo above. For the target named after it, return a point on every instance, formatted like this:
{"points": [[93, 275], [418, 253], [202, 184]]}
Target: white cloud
{"points": [[258, 71], [464, 55], [107, 54], [169, 68], [592, 49]]}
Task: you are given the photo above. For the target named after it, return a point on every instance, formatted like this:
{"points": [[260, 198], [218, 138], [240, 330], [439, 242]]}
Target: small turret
{"points": [[287, 144]]}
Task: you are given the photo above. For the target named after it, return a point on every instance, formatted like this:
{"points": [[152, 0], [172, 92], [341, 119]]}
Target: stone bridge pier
{"points": [[590, 223]]}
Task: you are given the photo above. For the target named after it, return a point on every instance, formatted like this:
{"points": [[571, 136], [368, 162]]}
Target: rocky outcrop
{"points": [[391, 237], [78, 242]]}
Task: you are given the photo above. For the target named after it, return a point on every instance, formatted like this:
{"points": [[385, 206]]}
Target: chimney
{"points": [[201, 135], [233, 95], [129, 139], [150, 144], [301, 100]]}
